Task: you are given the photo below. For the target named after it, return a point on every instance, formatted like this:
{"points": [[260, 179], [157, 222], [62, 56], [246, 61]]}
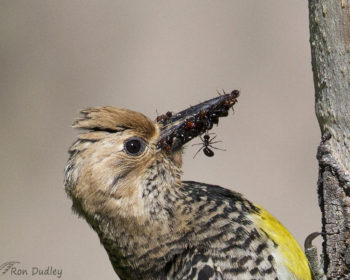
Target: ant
{"points": [[163, 118], [207, 145]]}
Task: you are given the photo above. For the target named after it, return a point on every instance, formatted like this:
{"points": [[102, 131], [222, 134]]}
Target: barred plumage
{"points": [[155, 226]]}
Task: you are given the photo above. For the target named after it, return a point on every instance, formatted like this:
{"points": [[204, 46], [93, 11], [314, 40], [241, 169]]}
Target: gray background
{"points": [[60, 56]]}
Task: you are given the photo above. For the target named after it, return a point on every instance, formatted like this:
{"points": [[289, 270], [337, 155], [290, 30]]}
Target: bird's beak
{"points": [[178, 129]]}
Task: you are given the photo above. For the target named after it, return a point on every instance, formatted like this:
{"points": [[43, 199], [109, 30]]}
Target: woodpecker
{"points": [[124, 178]]}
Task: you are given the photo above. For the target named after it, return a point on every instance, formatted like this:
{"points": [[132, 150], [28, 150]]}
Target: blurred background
{"points": [[58, 57]]}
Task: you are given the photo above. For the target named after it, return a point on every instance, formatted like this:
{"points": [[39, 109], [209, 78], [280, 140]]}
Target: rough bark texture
{"points": [[330, 48]]}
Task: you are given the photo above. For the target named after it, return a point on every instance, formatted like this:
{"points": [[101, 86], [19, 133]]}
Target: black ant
{"points": [[207, 145]]}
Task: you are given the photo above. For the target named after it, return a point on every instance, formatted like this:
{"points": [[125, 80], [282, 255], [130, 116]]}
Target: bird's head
{"points": [[122, 160], [110, 159]]}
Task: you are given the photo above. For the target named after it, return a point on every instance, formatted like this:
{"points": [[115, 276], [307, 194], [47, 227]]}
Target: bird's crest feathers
{"points": [[112, 119]]}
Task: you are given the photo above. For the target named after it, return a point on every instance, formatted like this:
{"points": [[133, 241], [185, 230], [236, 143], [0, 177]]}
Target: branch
{"points": [[330, 50]]}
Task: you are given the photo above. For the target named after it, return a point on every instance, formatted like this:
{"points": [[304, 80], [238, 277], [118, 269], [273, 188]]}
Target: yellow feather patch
{"points": [[292, 255]]}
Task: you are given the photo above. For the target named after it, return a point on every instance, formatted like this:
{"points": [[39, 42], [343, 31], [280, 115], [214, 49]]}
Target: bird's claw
{"points": [[316, 264]]}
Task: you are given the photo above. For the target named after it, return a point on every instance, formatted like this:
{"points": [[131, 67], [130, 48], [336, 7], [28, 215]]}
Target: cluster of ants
{"points": [[199, 119]]}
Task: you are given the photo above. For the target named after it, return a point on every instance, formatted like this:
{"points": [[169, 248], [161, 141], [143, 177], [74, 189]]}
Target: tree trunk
{"points": [[330, 49]]}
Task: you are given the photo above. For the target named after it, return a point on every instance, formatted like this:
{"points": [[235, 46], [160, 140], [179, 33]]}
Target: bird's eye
{"points": [[134, 146]]}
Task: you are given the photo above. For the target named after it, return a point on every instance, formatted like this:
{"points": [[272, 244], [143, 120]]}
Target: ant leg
{"points": [[197, 144], [211, 133], [198, 151], [214, 142], [216, 148]]}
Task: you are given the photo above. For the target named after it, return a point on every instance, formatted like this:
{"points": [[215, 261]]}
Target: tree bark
{"points": [[330, 50]]}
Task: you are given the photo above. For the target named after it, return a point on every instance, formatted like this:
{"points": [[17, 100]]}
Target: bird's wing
{"points": [[193, 264]]}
